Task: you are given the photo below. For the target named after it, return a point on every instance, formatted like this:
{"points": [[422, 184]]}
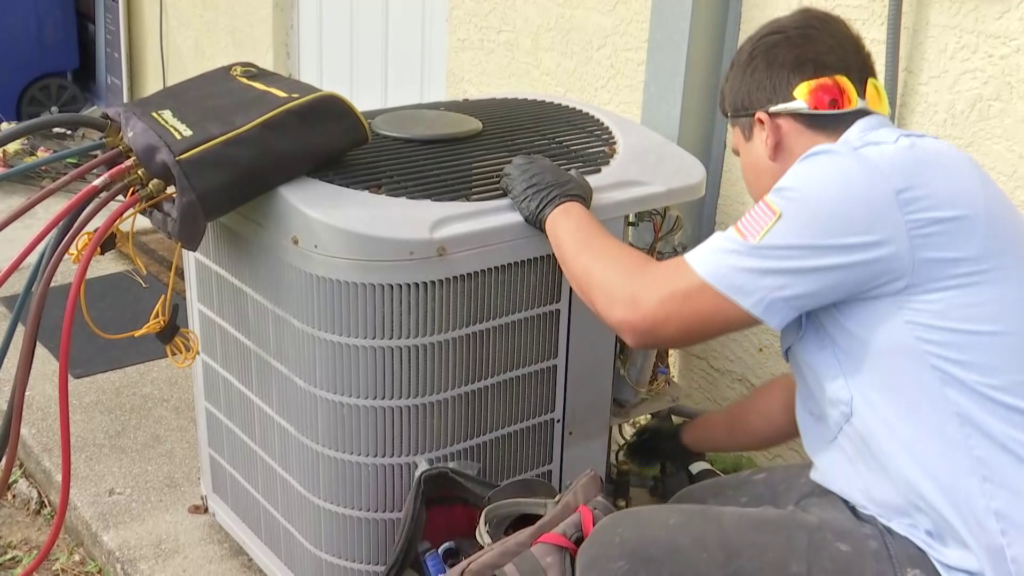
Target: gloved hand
{"points": [[537, 186], [659, 441]]}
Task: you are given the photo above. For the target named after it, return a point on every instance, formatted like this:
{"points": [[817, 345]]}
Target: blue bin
{"points": [[38, 39]]}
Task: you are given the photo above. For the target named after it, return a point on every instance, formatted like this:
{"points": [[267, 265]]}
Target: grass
{"points": [[732, 463], [16, 475], [24, 532], [69, 562]]}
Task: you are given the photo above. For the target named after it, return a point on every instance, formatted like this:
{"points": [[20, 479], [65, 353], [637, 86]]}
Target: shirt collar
{"points": [[865, 125]]}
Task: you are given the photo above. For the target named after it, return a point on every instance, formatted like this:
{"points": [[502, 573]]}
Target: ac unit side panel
{"points": [[351, 536], [318, 398], [283, 552], [334, 428]]}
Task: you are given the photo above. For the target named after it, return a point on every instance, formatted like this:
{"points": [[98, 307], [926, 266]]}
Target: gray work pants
{"points": [[766, 522]]}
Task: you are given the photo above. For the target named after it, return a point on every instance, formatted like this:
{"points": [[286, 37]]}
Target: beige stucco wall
{"points": [[960, 77], [590, 51], [203, 34]]}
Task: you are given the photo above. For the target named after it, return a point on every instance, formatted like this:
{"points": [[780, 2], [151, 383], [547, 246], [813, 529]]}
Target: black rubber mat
{"points": [[117, 303]]}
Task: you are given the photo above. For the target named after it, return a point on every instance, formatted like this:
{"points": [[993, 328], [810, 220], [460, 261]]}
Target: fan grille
{"points": [[469, 169]]}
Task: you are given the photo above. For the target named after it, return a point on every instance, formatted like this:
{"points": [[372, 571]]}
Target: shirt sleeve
{"points": [[831, 230]]}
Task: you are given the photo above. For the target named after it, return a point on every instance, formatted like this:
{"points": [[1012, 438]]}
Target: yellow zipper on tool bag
{"points": [[239, 72]]}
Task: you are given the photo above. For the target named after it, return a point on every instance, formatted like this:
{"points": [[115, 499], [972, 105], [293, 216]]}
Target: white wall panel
{"points": [[377, 53]]}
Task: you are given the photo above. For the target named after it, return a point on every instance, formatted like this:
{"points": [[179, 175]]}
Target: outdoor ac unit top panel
{"points": [[396, 200]]}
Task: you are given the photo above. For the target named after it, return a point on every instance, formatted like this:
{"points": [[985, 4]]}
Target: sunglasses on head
{"points": [[829, 95]]}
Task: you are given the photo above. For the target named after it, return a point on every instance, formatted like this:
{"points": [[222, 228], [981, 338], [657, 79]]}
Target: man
{"points": [[893, 267]]}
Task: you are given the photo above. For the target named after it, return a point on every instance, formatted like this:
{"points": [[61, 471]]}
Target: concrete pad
{"points": [[135, 461]]}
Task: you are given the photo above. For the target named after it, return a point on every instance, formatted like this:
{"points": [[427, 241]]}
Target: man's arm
{"points": [[760, 420], [649, 304], [764, 418], [828, 231]]}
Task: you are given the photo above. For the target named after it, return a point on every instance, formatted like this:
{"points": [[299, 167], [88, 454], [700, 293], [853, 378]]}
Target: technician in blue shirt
{"points": [[893, 267]]}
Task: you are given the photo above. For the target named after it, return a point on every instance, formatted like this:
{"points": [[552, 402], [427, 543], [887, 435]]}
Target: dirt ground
{"points": [[25, 520]]}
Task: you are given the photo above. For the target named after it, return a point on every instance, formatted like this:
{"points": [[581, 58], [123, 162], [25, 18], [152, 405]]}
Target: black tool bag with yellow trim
{"points": [[227, 136]]}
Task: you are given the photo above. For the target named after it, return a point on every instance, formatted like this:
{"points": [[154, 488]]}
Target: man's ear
{"points": [[767, 129]]}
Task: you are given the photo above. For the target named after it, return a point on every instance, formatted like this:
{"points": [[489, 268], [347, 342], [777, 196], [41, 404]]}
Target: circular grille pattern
{"points": [[469, 169]]}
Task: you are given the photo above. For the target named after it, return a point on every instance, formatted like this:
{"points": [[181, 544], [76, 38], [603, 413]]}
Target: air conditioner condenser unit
{"points": [[394, 309]]}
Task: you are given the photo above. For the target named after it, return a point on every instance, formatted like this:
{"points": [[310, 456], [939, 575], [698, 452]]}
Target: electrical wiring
{"points": [[43, 123], [660, 235], [52, 159], [35, 314], [62, 385], [163, 59], [659, 383], [108, 159], [87, 193]]}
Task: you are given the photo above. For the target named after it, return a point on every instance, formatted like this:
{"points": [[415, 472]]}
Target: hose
{"points": [[88, 192], [892, 53], [52, 159], [106, 160], [62, 385], [43, 123], [12, 327], [35, 314], [44, 257]]}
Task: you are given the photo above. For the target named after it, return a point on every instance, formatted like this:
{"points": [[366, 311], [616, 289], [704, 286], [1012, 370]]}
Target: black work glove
{"points": [[537, 186], [659, 441]]}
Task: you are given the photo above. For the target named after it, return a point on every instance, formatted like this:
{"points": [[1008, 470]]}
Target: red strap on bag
{"points": [[586, 520], [555, 539]]}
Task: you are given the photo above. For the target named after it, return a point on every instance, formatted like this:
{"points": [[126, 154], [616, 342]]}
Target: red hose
{"points": [[86, 194], [62, 384], [23, 208], [32, 322]]}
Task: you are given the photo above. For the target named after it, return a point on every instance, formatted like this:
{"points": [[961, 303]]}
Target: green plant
{"points": [[732, 463]]}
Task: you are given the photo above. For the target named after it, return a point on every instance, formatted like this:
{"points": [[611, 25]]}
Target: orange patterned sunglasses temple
{"points": [[829, 95]]}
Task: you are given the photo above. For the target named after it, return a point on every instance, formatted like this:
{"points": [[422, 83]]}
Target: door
{"points": [[376, 53]]}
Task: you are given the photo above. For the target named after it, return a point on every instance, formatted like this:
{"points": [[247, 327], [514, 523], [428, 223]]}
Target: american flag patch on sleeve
{"points": [[757, 221]]}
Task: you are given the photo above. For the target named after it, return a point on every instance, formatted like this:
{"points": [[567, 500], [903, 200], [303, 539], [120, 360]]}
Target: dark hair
{"points": [[805, 44]]}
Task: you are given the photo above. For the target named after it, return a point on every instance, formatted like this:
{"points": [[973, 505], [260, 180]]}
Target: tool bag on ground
{"points": [[458, 524], [229, 135]]}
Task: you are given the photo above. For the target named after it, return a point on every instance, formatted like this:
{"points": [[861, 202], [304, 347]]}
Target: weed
{"points": [[732, 463]]}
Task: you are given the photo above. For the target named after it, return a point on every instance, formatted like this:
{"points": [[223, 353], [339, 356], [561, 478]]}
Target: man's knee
{"points": [[637, 541]]}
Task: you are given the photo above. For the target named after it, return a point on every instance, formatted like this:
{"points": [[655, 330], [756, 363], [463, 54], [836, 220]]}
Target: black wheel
{"points": [[51, 94]]}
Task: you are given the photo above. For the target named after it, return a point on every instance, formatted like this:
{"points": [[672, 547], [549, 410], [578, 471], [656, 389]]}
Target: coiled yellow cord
{"points": [[184, 348]]}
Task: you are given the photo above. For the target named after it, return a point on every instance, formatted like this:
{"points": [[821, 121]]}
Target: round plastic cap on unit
{"points": [[426, 125]]}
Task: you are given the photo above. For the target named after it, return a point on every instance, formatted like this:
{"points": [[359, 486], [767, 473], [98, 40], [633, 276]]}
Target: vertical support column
{"points": [[690, 45]]}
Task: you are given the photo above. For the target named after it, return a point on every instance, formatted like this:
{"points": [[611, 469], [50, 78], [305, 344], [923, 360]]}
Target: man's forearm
{"points": [[764, 418], [649, 304], [603, 270]]}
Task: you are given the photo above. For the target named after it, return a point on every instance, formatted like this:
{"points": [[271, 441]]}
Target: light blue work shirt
{"points": [[895, 273]]}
